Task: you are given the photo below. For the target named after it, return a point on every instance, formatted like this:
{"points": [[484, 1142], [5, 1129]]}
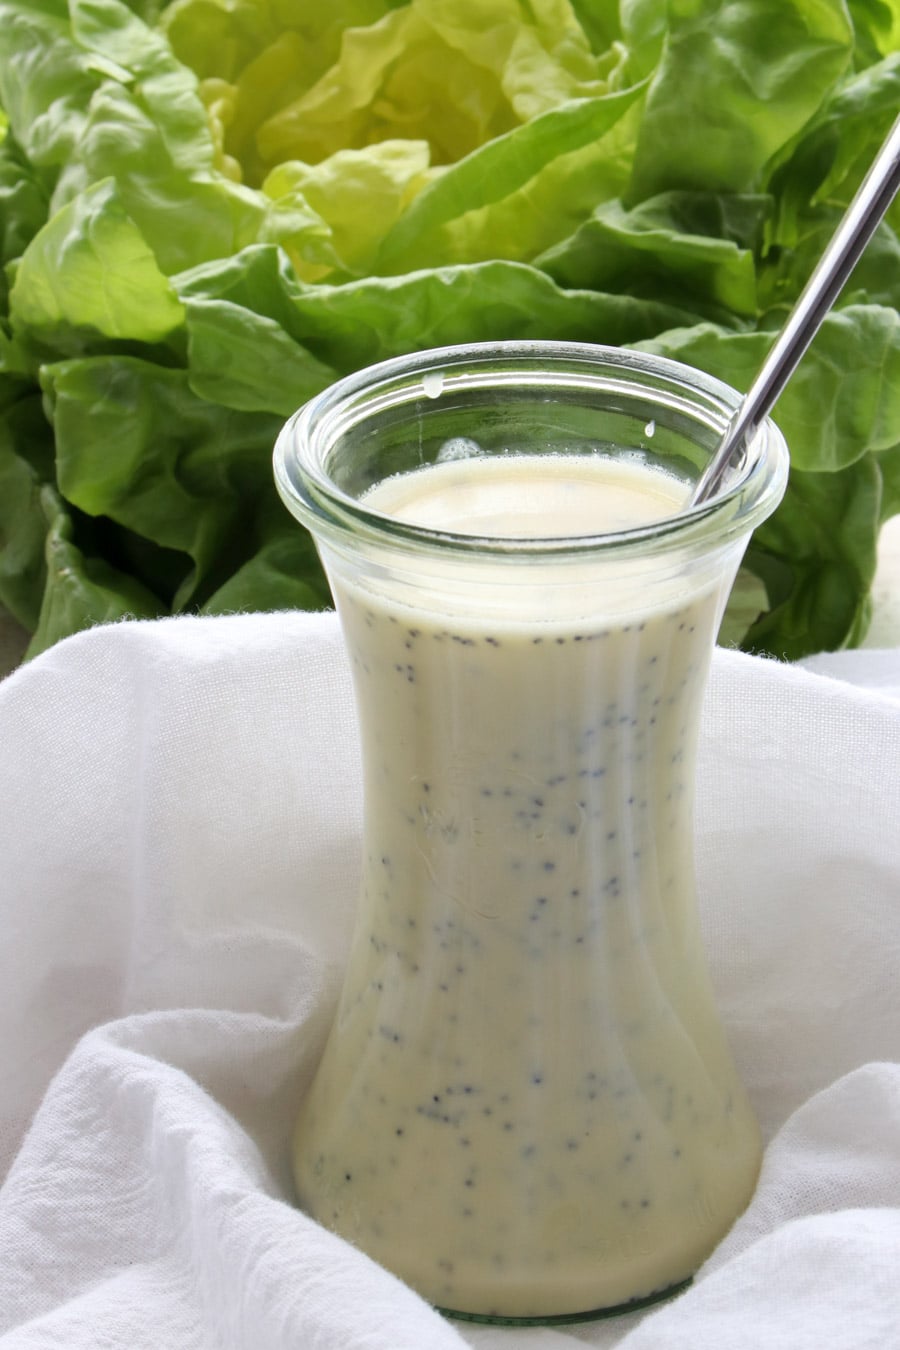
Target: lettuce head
{"points": [[210, 209]]}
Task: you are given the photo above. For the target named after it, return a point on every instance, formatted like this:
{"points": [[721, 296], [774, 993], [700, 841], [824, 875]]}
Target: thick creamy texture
{"points": [[518, 496], [526, 1106]]}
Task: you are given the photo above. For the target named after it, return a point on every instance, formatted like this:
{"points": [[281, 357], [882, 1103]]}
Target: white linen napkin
{"points": [[179, 826]]}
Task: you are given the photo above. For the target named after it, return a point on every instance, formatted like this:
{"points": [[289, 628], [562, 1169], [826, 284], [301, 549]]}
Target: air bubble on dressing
{"points": [[458, 447], [433, 383], [650, 429]]}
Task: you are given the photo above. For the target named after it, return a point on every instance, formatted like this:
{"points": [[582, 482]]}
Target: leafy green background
{"points": [[211, 209]]}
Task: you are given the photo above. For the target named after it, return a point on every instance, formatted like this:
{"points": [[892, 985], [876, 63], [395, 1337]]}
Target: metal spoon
{"points": [[875, 195]]}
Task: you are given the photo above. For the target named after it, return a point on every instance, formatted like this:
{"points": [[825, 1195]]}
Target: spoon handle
{"points": [[875, 194]]}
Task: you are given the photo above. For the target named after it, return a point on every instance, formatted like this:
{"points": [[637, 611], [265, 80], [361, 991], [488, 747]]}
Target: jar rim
{"points": [[751, 492]]}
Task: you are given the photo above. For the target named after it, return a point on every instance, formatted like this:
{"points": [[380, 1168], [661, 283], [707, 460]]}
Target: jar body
{"points": [[527, 1107]]}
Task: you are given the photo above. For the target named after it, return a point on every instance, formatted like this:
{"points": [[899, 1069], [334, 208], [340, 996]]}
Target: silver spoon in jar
{"points": [[873, 198]]}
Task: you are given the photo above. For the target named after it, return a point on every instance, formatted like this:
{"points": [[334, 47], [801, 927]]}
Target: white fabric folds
{"points": [[179, 827]]}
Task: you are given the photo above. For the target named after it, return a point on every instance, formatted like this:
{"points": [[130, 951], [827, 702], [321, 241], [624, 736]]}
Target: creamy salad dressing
{"points": [[527, 1106], [530, 496]]}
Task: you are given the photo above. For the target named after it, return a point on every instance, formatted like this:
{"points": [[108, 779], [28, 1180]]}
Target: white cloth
{"points": [[179, 825]]}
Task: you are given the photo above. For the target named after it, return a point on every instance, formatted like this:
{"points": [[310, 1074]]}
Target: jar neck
{"points": [[568, 399]]}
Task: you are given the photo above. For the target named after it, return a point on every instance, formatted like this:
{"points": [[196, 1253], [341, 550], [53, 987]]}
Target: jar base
{"points": [[563, 1319]]}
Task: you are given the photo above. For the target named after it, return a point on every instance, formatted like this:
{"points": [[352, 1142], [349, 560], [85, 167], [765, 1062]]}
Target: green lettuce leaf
{"points": [[462, 71], [699, 245], [817, 559], [89, 268], [46, 81], [497, 171], [844, 400], [877, 25], [26, 466], [282, 573], [374, 318], [840, 416], [734, 83], [334, 216], [81, 589], [136, 445], [244, 360], [23, 207]]}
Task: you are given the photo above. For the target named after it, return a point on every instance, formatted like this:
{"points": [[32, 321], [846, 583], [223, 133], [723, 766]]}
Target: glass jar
{"points": [[527, 1108]]}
